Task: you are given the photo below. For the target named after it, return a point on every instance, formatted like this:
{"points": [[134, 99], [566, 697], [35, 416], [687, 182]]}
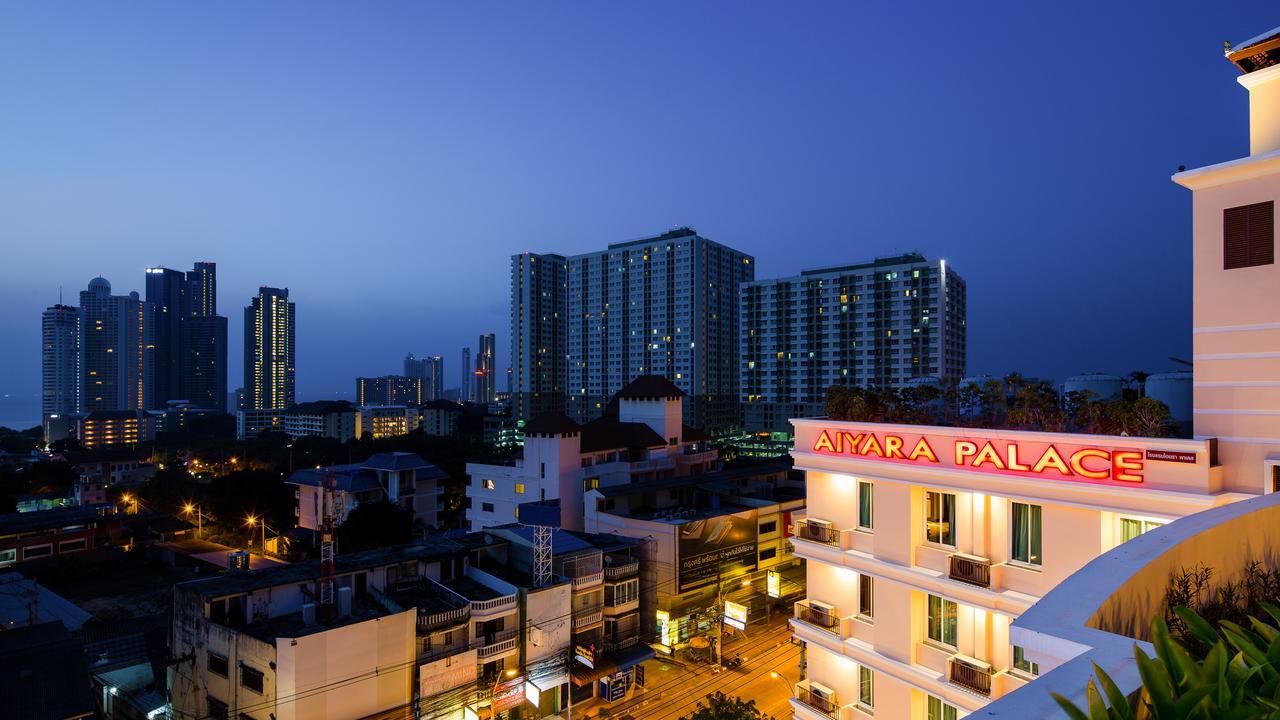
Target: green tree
{"points": [[719, 706], [373, 525]]}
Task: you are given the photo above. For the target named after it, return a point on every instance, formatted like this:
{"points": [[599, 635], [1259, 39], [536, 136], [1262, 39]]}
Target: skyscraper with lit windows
{"points": [[537, 334], [61, 357], [269, 350], [118, 342], [486, 388]]}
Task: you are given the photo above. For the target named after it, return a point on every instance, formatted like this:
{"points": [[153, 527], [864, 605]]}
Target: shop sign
{"points": [[1024, 458], [1179, 456], [585, 654], [735, 615], [532, 693], [773, 584], [508, 694]]}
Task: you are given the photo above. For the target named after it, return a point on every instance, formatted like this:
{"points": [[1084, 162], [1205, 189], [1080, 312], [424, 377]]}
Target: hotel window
{"points": [[940, 518], [941, 621], [939, 710], [1022, 664], [1026, 534], [866, 596], [1131, 528], [866, 687], [866, 505], [1248, 235]]}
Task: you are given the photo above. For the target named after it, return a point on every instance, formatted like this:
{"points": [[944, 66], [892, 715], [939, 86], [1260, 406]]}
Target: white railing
{"points": [[585, 620], [497, 604], [588, 580], [487, 647], [431, 620], [617, 572]]}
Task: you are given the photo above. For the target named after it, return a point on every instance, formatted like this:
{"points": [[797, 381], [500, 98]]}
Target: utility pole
{"points": [[719, 617]]}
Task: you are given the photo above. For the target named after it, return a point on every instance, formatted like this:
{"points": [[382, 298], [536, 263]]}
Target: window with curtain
{"points": [[940, 518], [866, 505], [939, 710], [866, 687], [1131, 528], [941, 622], [866, 593], [1021, 663], [1026, 534]]}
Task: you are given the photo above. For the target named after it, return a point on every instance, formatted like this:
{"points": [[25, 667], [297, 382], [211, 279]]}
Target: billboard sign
{"points": [[735, 615], [707, 547], [585, 654], [773, 584], [508, 694]]}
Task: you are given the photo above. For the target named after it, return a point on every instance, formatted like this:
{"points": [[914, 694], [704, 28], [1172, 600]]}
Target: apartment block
{"points": [[883, 323]]}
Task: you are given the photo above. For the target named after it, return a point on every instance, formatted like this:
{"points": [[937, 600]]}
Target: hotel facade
{"points": [[926, 543]]}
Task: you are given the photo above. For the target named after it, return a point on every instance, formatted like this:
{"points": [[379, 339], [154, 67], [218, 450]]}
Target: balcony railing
{"points": [[495, 605], [440, 619], [823, 703], [619, 572], [817, 617], [587, 619], [969, 569], [806, 529], [620, 644], [588, 580], [970, 674], [488, 646]]}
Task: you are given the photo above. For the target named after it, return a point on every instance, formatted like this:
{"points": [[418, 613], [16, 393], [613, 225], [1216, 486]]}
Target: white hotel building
{"points": [[924, 543]]}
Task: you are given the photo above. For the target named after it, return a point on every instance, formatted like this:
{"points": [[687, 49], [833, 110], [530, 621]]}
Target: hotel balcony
{"points": [[490, 647], [971, 674], [813, 701], [822, 540], [969, 569]]}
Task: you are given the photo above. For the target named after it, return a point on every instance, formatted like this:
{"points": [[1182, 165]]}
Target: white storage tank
{"points": [[1101, 385], [1174, 390]]}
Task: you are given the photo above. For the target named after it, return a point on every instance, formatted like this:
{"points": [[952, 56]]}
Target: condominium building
{"points": [[644, 439], [390, 390], [440, 417], [118, 345], [250, 423], [537, 334], [485, 379], [883, 323], [61, 358], [379, 421], [431, 370], [269, 350], [926, 544], [337, 419], [190, 337], [115, 427], [664, 305]]}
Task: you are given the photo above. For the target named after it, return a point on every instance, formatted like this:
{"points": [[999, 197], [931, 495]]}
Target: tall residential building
{"points": [[665, 305], [191, 338], [537, 334], [118, 345], [390, 390], [888, 322], [61, 357], [486, 381], [269, 350], [415, 367], [167, 293], [467, 390]]}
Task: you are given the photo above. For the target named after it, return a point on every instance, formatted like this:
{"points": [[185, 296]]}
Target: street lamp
{"points": [[190, 508], [776, 676], [253, 521], [131, 503]]}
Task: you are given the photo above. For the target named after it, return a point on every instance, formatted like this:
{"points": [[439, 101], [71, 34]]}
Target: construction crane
{"points": [[329, 506]]}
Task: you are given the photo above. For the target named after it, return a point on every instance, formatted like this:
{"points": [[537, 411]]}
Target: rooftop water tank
{"points": [[1101, 385], [1174, 390]]}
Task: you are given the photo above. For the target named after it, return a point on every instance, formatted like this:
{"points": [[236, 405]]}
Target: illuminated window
{"points": [[866, 505], [487, 483], [866, 683], [940, 518], [866, 595], [940, 620], [1131, 528], [939, 710], [520, 488], [1026, 534]]}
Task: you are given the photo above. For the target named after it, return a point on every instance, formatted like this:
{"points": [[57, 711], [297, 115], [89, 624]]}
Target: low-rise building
{"points": [[101, 428], [440, 417], [401, 478], [250, 423], [379, 421], [336, 419], [642, 438], [47, 534]]}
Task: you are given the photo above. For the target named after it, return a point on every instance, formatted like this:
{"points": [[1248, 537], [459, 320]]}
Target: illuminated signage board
{"points": [[773, 584], [508, 694], [1053, 460], [735, 615], [585, 654], [532, 693], [664, 627]]}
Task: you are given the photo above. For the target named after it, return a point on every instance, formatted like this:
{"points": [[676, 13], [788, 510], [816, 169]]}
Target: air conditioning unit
{"points": [[820, 691], [822, 607], [818, 529]]}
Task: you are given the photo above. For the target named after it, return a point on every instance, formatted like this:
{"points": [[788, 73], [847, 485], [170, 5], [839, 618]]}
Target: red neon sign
{"points": [[1084, 463]]}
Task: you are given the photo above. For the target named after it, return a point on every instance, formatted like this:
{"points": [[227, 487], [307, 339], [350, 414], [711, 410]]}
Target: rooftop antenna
{"points": [[541, 555], [326, 546]]}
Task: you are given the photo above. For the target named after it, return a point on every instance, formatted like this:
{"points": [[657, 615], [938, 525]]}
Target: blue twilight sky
{"points": [[383, 160]]}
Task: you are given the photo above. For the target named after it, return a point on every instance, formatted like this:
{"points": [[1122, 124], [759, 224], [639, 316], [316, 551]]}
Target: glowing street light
{"points": [[190, 508]]}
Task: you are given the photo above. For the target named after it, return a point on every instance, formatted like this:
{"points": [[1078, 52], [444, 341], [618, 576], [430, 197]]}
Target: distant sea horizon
{"points": [[19, 412]]}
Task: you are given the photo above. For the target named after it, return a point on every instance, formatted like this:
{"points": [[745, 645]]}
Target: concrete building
{"points": [[404, 479], [882, 323], [431, 370], [252, 423], [486, 379], [927, 545], [167, 293], [390, 390], [269, 350], [537, 335], [115, 427], [665, 305], [467, 391], [61, 361], [379, 421], [190, 337], [644, 439], [118, 345], [440, 417], [337, 419]]}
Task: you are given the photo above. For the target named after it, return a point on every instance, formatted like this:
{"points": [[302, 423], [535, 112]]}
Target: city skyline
{"points": [[1129, 263]]}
